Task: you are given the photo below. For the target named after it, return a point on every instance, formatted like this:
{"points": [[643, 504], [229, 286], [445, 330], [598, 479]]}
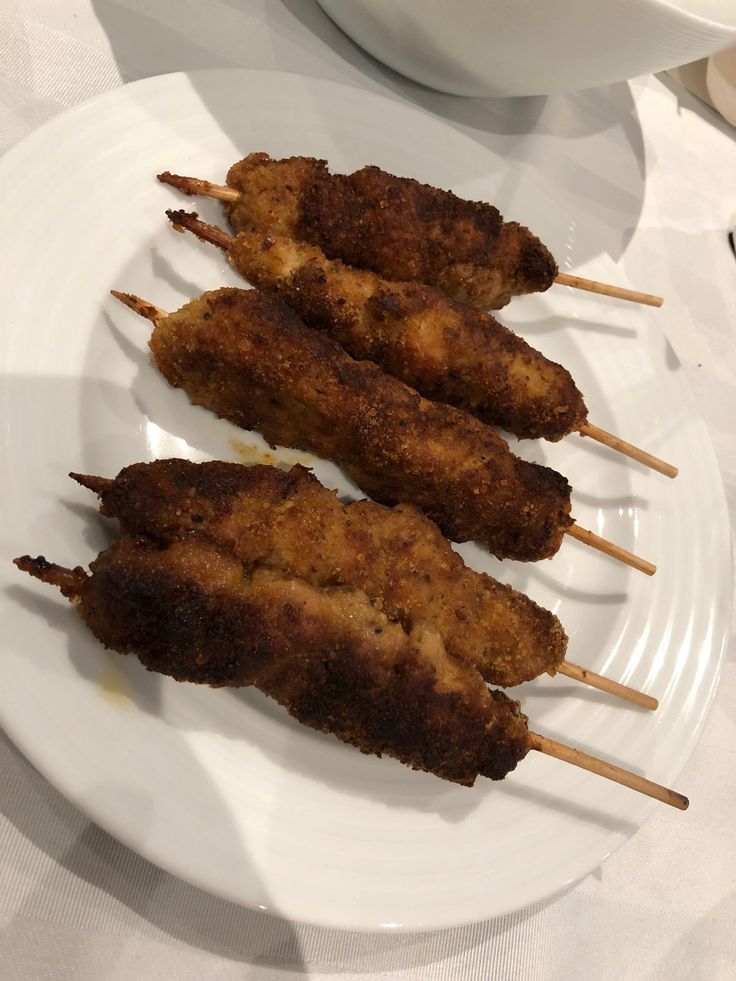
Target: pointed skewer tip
{"points": [[142, 307], [191, 221], [91, 482]]}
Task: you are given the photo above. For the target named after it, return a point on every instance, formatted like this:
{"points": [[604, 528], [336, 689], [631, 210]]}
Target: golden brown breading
{"points": [[247, 357], [291, 523], [446, 350], [395, 226], [326, 654]]}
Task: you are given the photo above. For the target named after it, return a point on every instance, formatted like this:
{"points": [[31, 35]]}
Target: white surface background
{"points": [[75, 904]]}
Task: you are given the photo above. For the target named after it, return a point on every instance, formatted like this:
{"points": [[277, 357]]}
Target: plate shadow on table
{"points": [[178, 910], [602, 192], [173, 907]]}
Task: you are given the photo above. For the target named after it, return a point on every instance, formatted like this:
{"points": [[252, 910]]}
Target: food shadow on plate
{"points": [[163, 269], [548, 325], [320, 757], [581, 813], [190, 428], [106, 670], [522, 576], [617, 501], [585, 445], [99, 532], [557, 689], [324, 759]]}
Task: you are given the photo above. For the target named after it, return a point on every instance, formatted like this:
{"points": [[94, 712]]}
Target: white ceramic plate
{"points": [[221, 787]]}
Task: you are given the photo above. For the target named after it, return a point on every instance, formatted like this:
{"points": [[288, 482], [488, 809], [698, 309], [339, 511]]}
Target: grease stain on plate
{"points": [[114, 686], [251, 455]]}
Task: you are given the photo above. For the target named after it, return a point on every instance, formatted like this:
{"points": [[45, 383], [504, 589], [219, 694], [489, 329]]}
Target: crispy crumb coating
{"points": [[247, 357], [327, 654], [446, 350], [395, 226], [291, 523]]}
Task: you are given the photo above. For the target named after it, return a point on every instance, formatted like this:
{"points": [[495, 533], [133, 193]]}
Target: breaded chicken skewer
{"points": [[447, 351], [397, 557], [395, 226], [247, 357], [188, 610]]}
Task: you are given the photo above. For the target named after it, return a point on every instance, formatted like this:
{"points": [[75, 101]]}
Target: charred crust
{"points": [[69, 581], [537, 266], [373, 689]]}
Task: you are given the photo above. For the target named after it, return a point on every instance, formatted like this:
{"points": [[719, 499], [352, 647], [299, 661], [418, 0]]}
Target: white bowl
{"points": [[533, 47]]}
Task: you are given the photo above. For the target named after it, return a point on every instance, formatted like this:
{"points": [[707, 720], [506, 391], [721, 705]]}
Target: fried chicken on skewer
{"points": [[328, 655], [397, 557], [395, 226], [247, 357], [446, 350]]}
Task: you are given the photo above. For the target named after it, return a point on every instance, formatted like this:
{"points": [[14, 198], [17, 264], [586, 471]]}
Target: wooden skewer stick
{"points": [[628, 449], [197, 186], [154, 313], [615, 551], [605, 289], [608, 770], [181, 220], [142, 307], [587, 677]]}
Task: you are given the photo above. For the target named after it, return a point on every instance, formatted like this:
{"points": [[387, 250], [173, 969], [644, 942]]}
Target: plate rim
{"points": [[39, 135]]}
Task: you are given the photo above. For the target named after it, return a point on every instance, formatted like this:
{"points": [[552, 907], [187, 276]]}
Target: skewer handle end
{"points": [[608, 770], [602, 683], [606, 289], [608, 548]]}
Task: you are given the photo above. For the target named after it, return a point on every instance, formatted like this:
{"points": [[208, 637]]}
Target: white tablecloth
{"points": [[75, 904]]}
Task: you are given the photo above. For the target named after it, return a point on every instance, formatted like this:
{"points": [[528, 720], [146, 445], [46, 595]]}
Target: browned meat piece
{"points": [[247, 357], [290, 523], [328, 655], [395, 226], [447, 351]]}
